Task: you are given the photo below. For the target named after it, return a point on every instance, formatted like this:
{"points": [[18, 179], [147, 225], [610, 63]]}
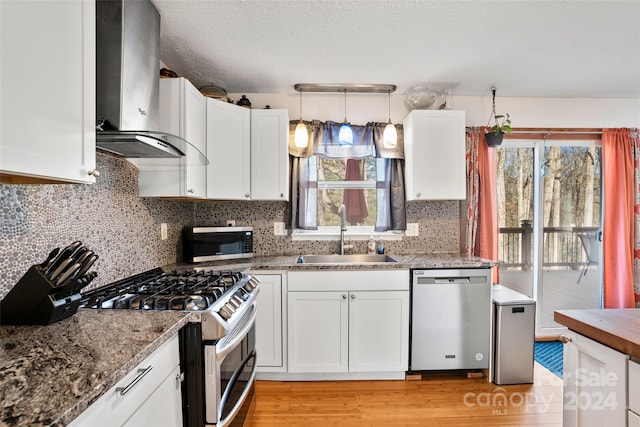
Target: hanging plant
{"points": [[501, 125]]}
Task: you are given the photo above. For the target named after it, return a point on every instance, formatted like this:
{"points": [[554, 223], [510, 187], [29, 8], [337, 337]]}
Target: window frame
{"points": [[354, 232]]}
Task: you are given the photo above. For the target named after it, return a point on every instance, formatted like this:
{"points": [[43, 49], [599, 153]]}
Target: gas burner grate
{"points": [[156, 290]]}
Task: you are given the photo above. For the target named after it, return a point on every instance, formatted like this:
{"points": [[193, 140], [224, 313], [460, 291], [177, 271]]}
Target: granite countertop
{"points": [[290, 262], [50, 374], [615, 328]]}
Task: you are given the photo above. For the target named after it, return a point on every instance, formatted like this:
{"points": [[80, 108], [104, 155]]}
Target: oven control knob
{"points": [[235, 301], [226, 312]]}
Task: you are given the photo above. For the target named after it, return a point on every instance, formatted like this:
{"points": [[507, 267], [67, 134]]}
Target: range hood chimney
{"points": [[127, 81]]}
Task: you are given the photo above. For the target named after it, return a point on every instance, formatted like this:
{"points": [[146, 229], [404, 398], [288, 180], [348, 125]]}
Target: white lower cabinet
{"points": [[318, 337], [594, 384], [269, 343], [378, 331], [150, 395], [348, 321], [634, 394]]}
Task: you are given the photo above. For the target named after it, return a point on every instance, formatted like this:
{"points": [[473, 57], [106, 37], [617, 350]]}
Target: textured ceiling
{"points": [[584, 49]]}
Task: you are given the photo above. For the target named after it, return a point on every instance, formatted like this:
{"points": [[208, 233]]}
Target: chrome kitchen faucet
{"points": [[342, 211]]}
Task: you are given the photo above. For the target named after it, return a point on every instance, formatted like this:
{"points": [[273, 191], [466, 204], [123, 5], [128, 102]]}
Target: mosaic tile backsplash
{"points": [[108, 217], [438, 221], [124, 229]]}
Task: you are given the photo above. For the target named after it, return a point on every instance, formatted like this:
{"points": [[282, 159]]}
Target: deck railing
{"points": [[562, 246]]}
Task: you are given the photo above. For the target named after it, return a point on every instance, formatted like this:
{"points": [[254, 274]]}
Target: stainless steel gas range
{"points": [[217, 349]]}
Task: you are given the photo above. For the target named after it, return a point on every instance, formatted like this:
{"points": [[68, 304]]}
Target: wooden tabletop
{"points": [[615, 328]]}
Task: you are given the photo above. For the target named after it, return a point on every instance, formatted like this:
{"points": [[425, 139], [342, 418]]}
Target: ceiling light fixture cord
{"points": [[301, 136], [345, 106], [390, 133], [345, 134]]}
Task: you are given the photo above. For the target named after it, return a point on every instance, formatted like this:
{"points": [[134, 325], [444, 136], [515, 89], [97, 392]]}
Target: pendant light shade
{"points": [[301, 136], [345, 135], [390, 134]]}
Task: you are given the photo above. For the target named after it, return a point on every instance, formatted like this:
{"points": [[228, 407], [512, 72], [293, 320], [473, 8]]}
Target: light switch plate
{"points": [[163, 231], [279, 229], [413, 229]]}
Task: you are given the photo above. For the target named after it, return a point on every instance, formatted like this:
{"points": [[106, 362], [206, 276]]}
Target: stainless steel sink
{"points": [[344, 259]]}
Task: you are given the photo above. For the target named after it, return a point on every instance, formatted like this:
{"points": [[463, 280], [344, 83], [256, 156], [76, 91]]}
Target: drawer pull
{"points": [[141, 373]]}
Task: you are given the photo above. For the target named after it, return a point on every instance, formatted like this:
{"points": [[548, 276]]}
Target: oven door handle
{"points": [[238, 334], [223, 401]]}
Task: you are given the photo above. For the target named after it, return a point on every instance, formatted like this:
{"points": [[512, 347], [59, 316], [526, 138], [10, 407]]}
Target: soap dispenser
{"points": [[371, 245]]}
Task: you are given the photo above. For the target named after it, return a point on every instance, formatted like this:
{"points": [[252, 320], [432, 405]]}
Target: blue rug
{"points": [[549, 355]]}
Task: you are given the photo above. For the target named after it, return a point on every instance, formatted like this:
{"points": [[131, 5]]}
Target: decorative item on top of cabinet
{"points": [[434, 147], [244, 102], [247, 150], [182, 113], [48, 136]]}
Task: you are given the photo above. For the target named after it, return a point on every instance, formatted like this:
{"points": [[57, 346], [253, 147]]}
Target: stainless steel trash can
{"points": [[514, 336]]}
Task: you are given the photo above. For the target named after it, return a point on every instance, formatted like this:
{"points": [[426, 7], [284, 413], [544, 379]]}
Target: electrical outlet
{"points": [[231, 223], [163, 231], [279, 229], [413, 229]]}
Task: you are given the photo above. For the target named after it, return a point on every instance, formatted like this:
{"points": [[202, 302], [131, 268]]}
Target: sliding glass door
{"points": [[550, 209]]}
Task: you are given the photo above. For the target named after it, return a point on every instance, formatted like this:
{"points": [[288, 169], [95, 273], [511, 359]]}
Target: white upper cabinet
{"points": [[229, 151], [247, 151], [47, 111], [434, 144], [269, 155], [182, 113]]}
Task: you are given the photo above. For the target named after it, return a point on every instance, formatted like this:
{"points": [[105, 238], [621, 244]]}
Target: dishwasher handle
{"points": [[451, 280]]}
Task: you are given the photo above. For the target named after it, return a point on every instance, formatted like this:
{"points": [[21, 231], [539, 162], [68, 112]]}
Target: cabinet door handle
{"points": [[94, 172], [141, 373], [281, 194], [565, 339], [191, 191], [344, 296], [419, 195], [246, 195], [353, 296]]}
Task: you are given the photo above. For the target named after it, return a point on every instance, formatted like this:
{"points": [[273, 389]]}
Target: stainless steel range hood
{"points": [[127, 85]]}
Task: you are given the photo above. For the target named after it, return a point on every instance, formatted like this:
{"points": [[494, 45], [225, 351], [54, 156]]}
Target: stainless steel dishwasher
{"points": [[450, 319]]}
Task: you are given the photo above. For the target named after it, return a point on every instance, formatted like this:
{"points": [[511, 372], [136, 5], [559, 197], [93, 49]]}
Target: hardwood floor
{"points": [[437, 400]]}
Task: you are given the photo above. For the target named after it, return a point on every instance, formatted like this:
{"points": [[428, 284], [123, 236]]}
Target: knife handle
{"points": [[64, 264], [67, 273]]}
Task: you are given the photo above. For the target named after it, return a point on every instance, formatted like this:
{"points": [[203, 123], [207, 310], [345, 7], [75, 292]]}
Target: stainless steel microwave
{"points": [[217, 243]]}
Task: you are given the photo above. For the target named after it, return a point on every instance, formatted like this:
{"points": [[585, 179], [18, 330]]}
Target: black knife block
{"points": [[35, 300]]}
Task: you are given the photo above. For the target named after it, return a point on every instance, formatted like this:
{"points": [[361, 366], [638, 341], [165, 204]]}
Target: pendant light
{"points": [[301, 137], [390, 134], [345, 135]]}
